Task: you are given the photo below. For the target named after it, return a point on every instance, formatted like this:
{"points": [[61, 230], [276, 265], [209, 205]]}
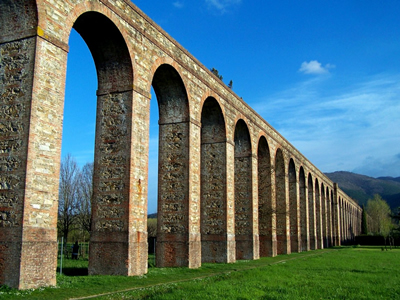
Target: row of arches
{"points": [[229, 187]]}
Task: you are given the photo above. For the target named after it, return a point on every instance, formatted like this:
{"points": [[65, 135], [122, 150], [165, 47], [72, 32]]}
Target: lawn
{"points": [[341, 273]]}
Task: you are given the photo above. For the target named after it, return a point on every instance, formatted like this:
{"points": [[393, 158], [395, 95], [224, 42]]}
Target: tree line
{"points": [[378, 219]]}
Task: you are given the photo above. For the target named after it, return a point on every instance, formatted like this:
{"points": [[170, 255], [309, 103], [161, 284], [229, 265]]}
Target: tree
{"points": [[215, 72], [230, 85], [364, 223], [68, 191], [379, 211], [85, 195]]}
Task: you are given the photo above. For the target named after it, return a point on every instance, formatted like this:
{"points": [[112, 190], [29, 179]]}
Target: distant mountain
{"points": [[362, 188]]}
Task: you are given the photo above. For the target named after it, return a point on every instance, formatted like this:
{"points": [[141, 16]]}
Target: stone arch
{"points": [[266, 206], [282, 206], [213, 216], [294, 210], [324, 214], [318, 218], [311, 213], [243, 192], [329, 216], [110, 232], [305, 244], [172, 248], [334, 219]]}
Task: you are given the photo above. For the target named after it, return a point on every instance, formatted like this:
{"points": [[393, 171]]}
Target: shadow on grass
{"points": [[74, 271]]}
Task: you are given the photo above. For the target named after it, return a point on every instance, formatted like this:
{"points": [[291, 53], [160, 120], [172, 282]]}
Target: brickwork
{"points": [[230, 186]]}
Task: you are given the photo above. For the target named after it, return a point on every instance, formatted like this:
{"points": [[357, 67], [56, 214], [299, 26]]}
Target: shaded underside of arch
{"points": [[311, 213], [110, 244], [173, 169], [214, 244], [305, 245], [266, 205], [282, 205], [294, 210], [243, 192]]}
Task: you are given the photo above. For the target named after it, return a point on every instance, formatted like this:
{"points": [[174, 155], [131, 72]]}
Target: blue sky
{"points": [[325, 74]]}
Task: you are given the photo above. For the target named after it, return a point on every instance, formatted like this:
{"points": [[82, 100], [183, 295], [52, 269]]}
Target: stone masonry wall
{"points": [[221, 192]]}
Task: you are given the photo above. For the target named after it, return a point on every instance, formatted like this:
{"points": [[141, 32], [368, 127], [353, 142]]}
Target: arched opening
{"points": [[282, 207], [213, 215], [266, 205], [305, 245], [294, 209], [311, 213], [243, 193], [329, 216], [318, 219], [324, 217], [172, 249], [334, 220], [110, 247]]}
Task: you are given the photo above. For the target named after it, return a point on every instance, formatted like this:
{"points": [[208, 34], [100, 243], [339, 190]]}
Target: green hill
{"points": [[361, 187]]}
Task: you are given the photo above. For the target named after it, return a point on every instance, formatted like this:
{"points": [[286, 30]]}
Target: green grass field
{"points": [[343, 273]]}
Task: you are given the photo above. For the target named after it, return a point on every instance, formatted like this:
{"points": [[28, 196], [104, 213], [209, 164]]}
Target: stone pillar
{"points": [[282, 205], [194, 163], [243, 193], [214, 244], [119, 213], [32, 84], [311, 215], [172, 248], [230, 202], [318, 218], [255, 224], [336, 216], [266, 204], [305, 243], [294, 209]]}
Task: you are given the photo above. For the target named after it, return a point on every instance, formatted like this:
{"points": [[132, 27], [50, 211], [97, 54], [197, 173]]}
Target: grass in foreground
{"points": [[347, 273]]}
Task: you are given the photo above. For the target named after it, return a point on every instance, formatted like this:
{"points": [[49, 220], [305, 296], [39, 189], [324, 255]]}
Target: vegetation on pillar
{"points": [[219, 76], [216, 73], [380, 214]]}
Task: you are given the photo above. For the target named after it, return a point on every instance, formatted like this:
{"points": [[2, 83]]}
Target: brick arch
{"points": [[114, 68], [243, 191], [324, 217], [329, 217], [173, 168], [311, 212], [305, 244], [282, 205], [206, 96], [213, 215], [318, 218], [294, 211], [266, 203]]}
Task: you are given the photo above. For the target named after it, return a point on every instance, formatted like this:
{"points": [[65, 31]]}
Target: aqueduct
{"points": [[230, 186]]}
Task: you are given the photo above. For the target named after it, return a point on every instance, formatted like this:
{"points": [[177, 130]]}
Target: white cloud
{"points": [[178, 4], [222, 5], [315, 67], [352, 129]]}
